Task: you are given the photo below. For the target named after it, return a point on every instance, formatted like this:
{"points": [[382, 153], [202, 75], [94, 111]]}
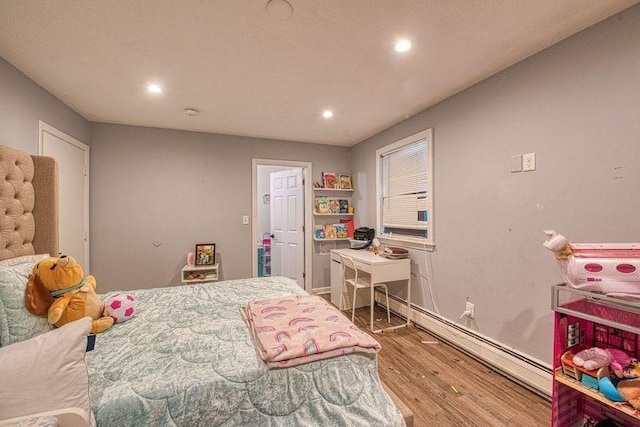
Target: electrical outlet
{"points": [[529, 162], [245, 219], [469, 310]]}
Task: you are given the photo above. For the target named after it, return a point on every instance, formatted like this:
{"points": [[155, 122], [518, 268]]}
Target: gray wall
{"points": [[180, 188], [577, 106], [23, 103]]}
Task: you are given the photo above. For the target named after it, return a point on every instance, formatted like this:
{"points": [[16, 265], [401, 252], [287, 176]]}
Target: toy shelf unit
{"points": [[199, 274], [583, 320], [333, 215], [264, 256]]}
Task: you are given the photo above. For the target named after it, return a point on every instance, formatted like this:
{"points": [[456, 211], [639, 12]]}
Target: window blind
{"points": [[405, 190]]}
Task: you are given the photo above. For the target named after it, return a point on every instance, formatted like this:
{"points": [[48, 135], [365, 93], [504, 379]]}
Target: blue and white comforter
{"points": [[187, 359]]}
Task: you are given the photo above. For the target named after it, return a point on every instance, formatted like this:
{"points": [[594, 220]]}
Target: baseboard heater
{"points": [[527, 372]]}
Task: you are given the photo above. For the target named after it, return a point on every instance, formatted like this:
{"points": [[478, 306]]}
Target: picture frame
{"points": [[344, 181], [205, 253]]}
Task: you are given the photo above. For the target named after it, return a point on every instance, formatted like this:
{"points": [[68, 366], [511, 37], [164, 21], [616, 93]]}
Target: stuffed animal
{"points": [[630, 390], [57, 287]]}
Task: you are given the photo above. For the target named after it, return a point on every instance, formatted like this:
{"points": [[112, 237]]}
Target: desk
{"points": [[382, 270]]}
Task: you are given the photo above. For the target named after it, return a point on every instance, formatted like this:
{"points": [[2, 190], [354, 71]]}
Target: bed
{"points": [[188, 358]]}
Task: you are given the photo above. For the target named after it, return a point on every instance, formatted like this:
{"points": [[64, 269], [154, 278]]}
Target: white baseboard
{"points": [[521, 368], [318, 291]]}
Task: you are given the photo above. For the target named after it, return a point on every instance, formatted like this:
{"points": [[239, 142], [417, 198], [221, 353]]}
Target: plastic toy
{"points": [[568, 368], [621, 361], [609, 268], [588, 377], [609, 390]]}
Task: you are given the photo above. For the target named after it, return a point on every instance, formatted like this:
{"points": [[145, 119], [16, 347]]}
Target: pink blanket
{"points": [[297, 329]]}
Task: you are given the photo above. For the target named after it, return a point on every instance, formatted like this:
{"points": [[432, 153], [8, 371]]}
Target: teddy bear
{"points": [[57, 287], [630, 391]]}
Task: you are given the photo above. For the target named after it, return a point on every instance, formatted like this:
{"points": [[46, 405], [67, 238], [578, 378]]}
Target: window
{"points": [[404, 173]]}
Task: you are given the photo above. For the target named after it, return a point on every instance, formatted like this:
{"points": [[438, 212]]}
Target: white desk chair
{"points": [[350, 277]]}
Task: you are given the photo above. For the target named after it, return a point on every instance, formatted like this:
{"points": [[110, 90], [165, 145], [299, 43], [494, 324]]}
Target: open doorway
{"points": [[281, 214]]}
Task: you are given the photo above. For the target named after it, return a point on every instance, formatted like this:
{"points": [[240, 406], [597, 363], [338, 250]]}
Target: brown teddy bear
{"points": [[630, 390], [57, 287]]}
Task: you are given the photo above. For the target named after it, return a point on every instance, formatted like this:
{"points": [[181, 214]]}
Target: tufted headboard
{"points": [[28, 204]]}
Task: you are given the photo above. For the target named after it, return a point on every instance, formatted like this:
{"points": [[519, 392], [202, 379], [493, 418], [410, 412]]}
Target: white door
{"points": [[287, 220], [73, 178]]}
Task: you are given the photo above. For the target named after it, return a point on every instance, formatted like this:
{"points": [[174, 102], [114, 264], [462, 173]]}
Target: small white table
{"points": [[199, 274], [382, 270]]}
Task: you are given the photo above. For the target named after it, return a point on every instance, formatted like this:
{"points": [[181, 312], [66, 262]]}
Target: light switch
{"points": [[245, 219], [529, 162]]}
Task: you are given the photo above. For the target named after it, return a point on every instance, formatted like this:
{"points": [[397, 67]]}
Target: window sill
{"points": [[407, 242]]}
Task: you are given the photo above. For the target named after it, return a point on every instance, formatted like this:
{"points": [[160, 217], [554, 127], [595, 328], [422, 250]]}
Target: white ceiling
{"points": [[252, 75]]}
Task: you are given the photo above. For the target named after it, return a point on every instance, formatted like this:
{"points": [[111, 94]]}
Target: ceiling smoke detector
{"points": [[191, 112], [280, 10]]}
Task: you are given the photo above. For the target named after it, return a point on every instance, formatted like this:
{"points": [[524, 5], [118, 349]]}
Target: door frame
{"points": [[44, 127], [306, 173]]}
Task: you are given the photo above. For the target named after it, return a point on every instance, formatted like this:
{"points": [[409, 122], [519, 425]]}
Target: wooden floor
{"points": [[444, 387]]}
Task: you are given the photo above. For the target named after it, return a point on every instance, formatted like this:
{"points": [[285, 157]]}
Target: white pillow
{"points": [[16, 323], [47, 372]]}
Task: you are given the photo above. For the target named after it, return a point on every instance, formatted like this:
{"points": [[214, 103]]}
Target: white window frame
{"points": [[410, 241]]}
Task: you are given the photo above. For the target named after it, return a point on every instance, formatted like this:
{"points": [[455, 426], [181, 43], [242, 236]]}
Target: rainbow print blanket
{"points": [[297, 329]]}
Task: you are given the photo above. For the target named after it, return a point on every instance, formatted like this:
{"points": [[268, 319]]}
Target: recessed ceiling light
{"points": [[154, 88], [403, 45], [327, 114]]}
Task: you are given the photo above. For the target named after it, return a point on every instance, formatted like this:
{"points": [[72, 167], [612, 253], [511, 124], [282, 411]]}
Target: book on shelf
{"points": [[330, 231], [350, 227], [319, 232], [325, 205], [322, 205], [333, 231], [341, 231], [344, 181], [330, 180]]}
